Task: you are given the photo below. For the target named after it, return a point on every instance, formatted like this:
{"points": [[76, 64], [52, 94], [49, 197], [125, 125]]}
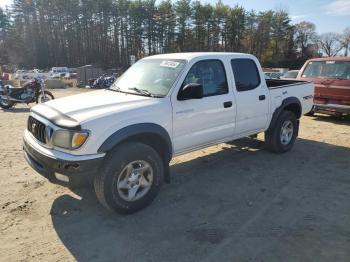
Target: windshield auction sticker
{"points": [[171, 64]]}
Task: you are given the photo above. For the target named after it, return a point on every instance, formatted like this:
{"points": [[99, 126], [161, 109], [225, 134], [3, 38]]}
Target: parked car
{"points": [[331, 76], [267, 76], [19, 73], [58, 72], [124, 137], [72, 73], [290, 75], [273, 75]]}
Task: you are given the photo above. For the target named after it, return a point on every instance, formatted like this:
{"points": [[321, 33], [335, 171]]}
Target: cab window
{"points": [[211, 75], [246, 74]]}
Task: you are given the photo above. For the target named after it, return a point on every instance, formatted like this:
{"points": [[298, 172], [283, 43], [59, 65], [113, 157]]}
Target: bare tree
{"points": [[346, 40], [330, 43], [304, 36]]}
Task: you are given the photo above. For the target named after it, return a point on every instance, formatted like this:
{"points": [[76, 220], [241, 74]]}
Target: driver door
{"points": [[198, 122]]}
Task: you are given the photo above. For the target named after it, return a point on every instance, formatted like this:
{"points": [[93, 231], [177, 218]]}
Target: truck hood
{"points": [[90, 105]]}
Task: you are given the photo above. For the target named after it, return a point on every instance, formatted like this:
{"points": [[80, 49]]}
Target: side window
{"points": [[211, 75], [246, 74]]}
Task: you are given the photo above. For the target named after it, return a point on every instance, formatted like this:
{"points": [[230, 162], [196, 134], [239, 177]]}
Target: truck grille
{"points": [[37, 128]]}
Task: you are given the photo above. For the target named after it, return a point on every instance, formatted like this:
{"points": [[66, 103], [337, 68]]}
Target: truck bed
{"points": [[282, 89], [277, 83]]}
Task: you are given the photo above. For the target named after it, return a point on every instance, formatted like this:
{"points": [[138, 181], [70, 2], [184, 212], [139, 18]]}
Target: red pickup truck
{"points": [[331, 76]]}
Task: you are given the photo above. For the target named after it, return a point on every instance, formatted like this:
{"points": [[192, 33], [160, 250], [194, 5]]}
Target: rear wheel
{"points": [[282, 136], [131, 178], [42, 98], [6, 104]]}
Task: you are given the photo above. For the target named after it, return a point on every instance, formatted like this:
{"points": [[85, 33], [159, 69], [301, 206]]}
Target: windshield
{"points": [[150, 76], [328, 69]]}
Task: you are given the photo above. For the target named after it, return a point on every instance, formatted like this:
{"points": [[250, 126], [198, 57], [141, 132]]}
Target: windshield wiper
{"points": [[115, 89], [143, 92]]}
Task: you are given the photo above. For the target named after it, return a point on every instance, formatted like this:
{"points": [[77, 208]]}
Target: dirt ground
{"points": [[232, 202]]}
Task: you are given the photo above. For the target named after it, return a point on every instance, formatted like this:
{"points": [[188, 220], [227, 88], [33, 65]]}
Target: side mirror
{"points": [[191, 91]]}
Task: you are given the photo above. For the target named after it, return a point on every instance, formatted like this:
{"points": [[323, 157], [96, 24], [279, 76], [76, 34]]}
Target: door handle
{"points": [[227, 104], [262, 97]]}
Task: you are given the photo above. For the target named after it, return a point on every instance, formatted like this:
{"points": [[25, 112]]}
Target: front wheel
{"points": [[311, 113], [282, 136], [42, 98], [130, 179]]}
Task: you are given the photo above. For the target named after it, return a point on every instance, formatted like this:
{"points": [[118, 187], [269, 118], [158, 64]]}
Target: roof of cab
{"points": [[332, 58], [190, 55]]}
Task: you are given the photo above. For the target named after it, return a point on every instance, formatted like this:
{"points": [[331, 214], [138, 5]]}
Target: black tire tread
{"points": [[272, 138], [100, 179], [311, 113], [10, 104]]}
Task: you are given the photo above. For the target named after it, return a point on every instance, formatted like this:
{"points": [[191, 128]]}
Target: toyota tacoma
{"points": [[122, 139]]}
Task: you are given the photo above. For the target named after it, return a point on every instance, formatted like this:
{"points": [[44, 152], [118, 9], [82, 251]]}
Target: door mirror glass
{"points": [[191, 91]]}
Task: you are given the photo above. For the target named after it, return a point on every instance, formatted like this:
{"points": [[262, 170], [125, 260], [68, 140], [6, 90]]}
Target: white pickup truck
{"points": [[122, 139]]}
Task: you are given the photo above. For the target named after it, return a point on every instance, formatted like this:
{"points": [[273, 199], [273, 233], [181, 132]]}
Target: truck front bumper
{"points": [[331, 108], [70, 171]]}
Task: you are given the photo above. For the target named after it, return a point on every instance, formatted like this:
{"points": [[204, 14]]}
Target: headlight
{"points": [[69, 139]]}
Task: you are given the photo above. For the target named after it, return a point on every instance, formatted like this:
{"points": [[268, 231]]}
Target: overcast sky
{"points": [[328, 15]]}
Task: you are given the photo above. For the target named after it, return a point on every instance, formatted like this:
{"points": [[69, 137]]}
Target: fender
{"points": [[136, 129], [141, 129], [285, 103]]}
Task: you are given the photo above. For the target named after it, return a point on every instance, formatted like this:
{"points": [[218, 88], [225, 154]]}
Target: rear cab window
{"points": [[246, 74]]}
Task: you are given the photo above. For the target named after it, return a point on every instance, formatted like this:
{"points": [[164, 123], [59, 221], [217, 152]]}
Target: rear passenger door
{"points": [[251, 96]]}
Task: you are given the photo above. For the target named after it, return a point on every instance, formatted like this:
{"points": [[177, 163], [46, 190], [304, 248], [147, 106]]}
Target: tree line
{"points": [[42, 34]]}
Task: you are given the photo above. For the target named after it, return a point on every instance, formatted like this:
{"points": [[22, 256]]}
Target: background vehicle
{"points": [[267, 76], [331, 76], [72, 73], [273, 75], [18, 73], [124, 137], [57, 72], [91, 81], [32, 91], [104, 81], [290, 75], [23, 75]]}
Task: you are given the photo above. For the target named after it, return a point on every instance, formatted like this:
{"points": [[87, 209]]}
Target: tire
{"points": [[110, 186], [6, 105], [274, 138], [311, 113], [48, 94]]}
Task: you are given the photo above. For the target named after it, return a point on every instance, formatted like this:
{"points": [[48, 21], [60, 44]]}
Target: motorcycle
{"points": [[104, 81], [32, 91]]}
